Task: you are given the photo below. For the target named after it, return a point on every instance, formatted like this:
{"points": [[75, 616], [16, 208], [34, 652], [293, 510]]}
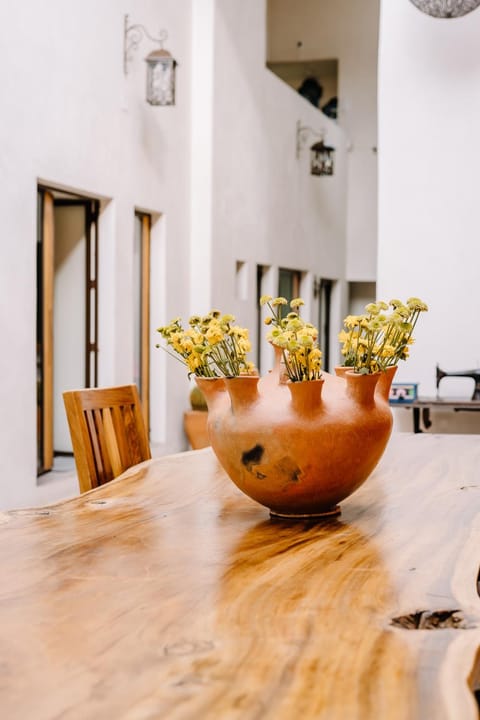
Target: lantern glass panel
{"points": [[321, 159], [161, 81]]}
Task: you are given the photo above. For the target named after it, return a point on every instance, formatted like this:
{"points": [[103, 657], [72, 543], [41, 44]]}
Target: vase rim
{"points": [[255, 376], [201, 377], [301, 382], [353, 372]]}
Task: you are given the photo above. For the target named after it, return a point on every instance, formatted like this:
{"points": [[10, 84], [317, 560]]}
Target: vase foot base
{"points": [[332, 512]]}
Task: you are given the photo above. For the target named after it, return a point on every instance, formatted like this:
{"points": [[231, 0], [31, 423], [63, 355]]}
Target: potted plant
{"points": [[296, 440], [379, 339], [195, 420], [210, 347]]}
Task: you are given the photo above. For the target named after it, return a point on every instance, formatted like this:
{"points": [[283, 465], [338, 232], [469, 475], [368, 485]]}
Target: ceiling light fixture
{"points": [[446, 8]]}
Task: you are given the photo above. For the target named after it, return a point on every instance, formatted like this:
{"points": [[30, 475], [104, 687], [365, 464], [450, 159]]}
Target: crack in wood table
{"points": [[169, 594]]}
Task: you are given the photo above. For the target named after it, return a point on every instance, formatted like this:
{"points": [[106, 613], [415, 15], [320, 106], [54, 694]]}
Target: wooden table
{"points": [[169, 594]]}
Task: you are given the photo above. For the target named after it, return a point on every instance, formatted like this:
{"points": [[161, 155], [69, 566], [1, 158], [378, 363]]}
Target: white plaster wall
{"points": [[268, 209], [347, 30], [218, 172], [429, 144], [202, 141], [71, 118]]}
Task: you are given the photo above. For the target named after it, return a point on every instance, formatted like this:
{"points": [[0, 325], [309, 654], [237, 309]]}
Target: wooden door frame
{"points": [[45, 334], [91, 283], [145, 275], [45, 325]]}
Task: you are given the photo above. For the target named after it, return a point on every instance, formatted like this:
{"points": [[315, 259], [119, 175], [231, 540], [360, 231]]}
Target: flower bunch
{"points": [[211, 346], [297, 339], [382, 336]]}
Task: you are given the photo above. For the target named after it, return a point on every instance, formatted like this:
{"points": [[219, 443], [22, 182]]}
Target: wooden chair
{"points": [[108, 432]]}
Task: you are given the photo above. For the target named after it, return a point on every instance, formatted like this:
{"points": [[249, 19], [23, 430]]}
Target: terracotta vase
{"points": [[298, 448]]}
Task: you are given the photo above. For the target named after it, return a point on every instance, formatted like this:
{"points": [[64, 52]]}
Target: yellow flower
{"points": [[249, 369], [296, 303], [214, 334], [238, 331], [388, 351], [280, 341], [193, 362], [351, 321], [417, 304], [196, 336], [244, 345], [304, 338], [295, 324], [293, 346], [176, 341]]}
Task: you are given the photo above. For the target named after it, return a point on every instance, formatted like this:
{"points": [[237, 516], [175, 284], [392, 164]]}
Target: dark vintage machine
{"points": [[474, 374]]}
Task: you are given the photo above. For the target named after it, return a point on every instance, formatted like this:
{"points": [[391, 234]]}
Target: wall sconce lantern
{"points": [[321, 159], [160, 64], [321, 155], [446, 8]]}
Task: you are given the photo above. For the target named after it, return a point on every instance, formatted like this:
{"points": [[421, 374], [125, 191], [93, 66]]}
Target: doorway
{"points": [[67, 312]]}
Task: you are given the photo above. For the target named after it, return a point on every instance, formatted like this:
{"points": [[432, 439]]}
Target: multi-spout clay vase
{"points": [[299, 448]]}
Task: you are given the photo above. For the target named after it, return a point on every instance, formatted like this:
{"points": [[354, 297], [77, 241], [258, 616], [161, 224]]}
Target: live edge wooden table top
{"points": [[169, 594]]}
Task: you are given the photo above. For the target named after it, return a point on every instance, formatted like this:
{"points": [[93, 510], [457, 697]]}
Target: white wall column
{"points": [[429, 145], [203, 42]]}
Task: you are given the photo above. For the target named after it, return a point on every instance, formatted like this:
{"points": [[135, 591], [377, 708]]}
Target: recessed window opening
{"points": [[67, 312], [324, 315], [241, 280], [289, 282]]}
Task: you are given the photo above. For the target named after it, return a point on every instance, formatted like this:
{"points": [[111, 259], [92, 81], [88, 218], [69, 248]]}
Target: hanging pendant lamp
{"points": [[446, 8]]}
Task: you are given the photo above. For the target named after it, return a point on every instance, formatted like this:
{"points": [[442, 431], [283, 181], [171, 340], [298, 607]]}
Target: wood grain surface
{"points": [[169, 594]]}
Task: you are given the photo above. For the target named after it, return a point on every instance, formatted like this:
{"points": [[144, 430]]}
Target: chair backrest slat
{"points": [[112, 441], [108, 432], [130, 434], [118, 420], [99, 446]]}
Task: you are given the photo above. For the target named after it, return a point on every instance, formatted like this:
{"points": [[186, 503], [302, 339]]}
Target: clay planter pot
{"points": [[195, 426], [298, 448]]}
